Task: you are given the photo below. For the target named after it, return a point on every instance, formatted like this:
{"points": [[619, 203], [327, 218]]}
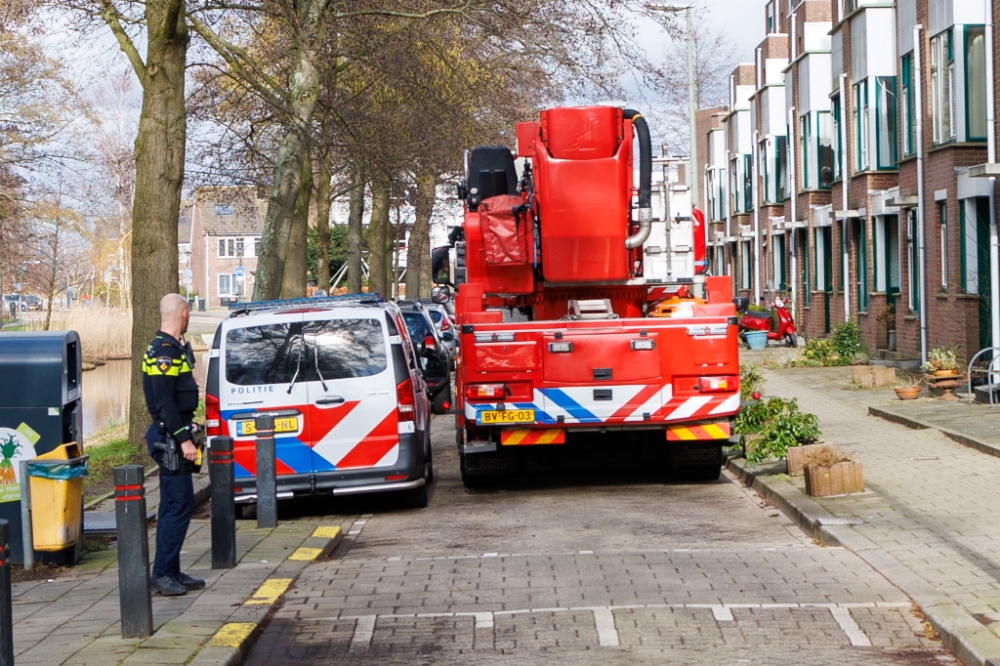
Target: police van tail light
{"points": [[213, 418], [405, 401]]}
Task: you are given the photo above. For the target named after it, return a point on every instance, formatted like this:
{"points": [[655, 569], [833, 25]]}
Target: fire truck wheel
{"points": [[703, 472], [791, 340]]}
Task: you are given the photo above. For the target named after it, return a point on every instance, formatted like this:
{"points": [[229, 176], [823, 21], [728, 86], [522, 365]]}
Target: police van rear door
{"points": [[265, 371], [352, 390]]}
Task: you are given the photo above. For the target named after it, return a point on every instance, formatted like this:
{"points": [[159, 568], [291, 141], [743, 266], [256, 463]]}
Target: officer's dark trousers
{"points": [[176, 507]]}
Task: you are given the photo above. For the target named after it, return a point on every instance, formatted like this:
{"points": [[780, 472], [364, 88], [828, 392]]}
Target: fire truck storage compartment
{"points": [[505, 222], [601, 350], [583, 167]]}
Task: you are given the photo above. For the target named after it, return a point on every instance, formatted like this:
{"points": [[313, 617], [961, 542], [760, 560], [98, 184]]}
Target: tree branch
{"points": [[111, 16]]}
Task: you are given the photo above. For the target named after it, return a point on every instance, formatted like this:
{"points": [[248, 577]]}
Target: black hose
{"points": [[645, 157]]}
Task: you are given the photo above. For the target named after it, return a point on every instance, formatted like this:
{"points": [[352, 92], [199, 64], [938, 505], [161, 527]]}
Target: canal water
{"points": [[106, 392]]}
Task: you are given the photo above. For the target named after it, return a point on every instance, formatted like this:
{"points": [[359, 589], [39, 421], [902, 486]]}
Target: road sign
{"points": [[239, 272], [187, 274]]}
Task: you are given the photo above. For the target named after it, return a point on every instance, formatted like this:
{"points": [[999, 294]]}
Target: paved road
{"points": [[581, 569]]}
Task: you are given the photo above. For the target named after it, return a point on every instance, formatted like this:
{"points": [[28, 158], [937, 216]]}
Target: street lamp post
{"points": [[692, 98]]}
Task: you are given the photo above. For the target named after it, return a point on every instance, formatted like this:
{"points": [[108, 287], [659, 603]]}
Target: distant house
{"points": [[226, 225]]}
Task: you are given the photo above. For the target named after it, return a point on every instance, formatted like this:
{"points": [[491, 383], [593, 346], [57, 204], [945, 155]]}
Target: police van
{"points": [[341, 378]]}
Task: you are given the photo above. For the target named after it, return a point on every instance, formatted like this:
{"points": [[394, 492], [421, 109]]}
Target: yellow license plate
{"points": [[287, 424], [497, 417]]}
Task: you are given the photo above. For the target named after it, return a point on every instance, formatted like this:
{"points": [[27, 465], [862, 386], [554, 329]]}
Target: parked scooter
{"points": [[756, 320]]}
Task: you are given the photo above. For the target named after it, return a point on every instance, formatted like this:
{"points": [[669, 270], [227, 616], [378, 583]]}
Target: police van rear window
{"points": [[327, 350]]}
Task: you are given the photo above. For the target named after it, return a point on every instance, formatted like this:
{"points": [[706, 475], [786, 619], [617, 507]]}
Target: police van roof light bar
{"points": [[250, 306]]}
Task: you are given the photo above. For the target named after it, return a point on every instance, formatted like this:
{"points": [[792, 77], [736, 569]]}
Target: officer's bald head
{"points": [[174, 314]]}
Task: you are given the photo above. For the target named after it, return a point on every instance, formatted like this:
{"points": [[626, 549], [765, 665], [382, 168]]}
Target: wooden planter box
{"points": [[840, 479], [797, 456]]}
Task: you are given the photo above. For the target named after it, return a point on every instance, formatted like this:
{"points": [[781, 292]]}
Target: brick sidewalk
{"points": [[74, 619], [928, 521]]}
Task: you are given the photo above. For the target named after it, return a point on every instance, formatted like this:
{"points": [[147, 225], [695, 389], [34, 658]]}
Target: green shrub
{"points": [[777, 424], [846, 340]]}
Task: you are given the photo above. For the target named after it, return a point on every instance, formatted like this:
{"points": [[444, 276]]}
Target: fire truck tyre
{"points": [[469, 480], [791, 340], [417, 498], [703, 472], [443, 396]]}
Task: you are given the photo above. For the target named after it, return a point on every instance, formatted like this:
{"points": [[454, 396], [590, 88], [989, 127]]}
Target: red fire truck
{"points": [[556, 347]]}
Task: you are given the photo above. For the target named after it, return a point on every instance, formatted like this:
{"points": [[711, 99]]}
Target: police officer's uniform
{"points": [[171, 397]]}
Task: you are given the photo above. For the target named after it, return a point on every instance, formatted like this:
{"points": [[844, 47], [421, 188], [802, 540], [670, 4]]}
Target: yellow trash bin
{"points": [[57, 497]]}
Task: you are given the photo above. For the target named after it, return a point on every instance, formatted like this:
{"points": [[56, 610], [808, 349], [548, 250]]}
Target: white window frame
{"points": [[942, 88], [226, 247], [230, 280]]}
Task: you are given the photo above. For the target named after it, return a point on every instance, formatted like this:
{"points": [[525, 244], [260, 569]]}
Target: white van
{"points": [[342, 381]]}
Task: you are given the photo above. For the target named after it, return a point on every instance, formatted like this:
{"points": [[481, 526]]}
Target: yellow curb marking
{"points": [[269, 592], [305, 554], [326, 532], [232, 635]]}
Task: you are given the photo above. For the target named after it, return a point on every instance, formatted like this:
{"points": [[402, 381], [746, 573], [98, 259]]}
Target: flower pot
{"points": [[892, 341], [756, 340], [840, 479], [796, 457], [945, 373], [908, 392]]}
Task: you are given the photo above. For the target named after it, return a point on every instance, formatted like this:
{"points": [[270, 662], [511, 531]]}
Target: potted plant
{"points": [[942, 361], [829, 472], [886, 318], [912, 389]]}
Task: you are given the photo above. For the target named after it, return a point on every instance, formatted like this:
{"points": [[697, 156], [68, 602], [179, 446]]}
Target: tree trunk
{"points": [[288, 168], [418, 252], [354, 232], [159, 174], [379, 236], [323, 177], [293, 279]]}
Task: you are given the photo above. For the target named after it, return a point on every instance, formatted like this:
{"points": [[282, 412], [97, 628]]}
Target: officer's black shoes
{"points": [[189, 583], [168, 587]]}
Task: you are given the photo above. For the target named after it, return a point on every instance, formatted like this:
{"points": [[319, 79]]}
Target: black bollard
{"points": [[220, 473], [6, 608], [267, 481], [134, 593]]}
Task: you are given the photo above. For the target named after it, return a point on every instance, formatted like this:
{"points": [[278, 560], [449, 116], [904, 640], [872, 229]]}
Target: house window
{"points": [[835, 106], [805, 137], [974, 222], [778, 276], [907, 102], [748, 201], [227, 248], [911, 235], [943, 223], [822, 247], [824, 149], [745, 261], [885, 123], [781, 170], [239, 247], [861, 263], [806, 280], [256, 247], [942, 88], [861, 125], [226, 285], [223, 209], [975, 83]]}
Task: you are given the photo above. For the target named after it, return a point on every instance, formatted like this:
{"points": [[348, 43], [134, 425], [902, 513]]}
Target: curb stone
{"points": [[982, 445], [961, 633], [231, 645]]}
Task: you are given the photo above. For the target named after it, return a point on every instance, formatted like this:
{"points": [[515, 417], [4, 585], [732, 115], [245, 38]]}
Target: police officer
{"points": [[171, 397]]}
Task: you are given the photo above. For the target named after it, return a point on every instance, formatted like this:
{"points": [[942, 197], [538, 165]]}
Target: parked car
{"points": [[345, 387], [443, 322], [434, 356], [31, 303]]}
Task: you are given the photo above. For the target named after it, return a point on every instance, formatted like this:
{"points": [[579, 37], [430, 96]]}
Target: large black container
{"points": [[40, 408]]}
